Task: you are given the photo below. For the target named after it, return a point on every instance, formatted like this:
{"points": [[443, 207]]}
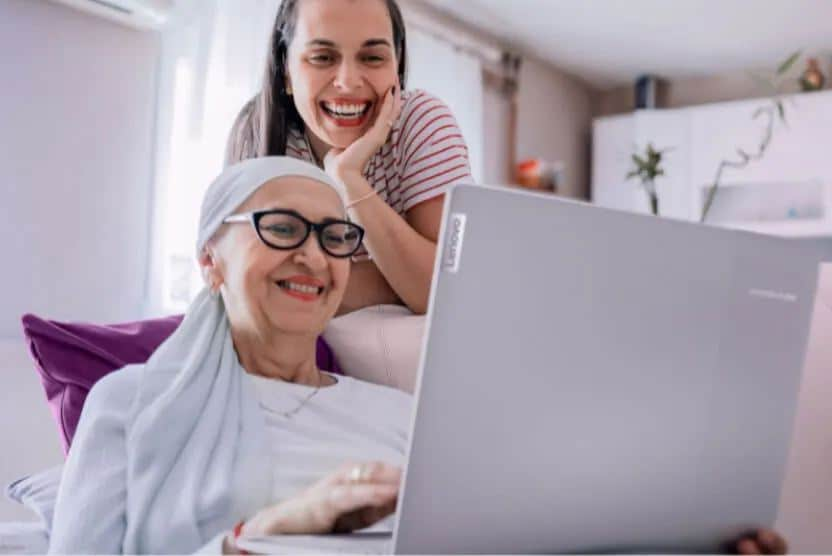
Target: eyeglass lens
{"points": [[287, 231]]}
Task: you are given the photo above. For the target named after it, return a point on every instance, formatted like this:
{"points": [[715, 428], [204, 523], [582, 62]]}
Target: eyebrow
{"points": [[330, 44]]}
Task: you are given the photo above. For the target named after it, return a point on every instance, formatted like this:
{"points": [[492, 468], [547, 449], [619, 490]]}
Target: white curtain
{"points": [[455, 77], [213, 55]]}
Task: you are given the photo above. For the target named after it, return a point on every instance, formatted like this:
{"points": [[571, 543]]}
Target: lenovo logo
{"points": [[453, 243]]}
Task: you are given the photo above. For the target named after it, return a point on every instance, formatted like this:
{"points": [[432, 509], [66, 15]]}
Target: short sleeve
{"points": [[433, 152]]}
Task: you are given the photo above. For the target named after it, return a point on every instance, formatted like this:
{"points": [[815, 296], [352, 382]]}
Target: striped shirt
{"points": [[424, 155]]}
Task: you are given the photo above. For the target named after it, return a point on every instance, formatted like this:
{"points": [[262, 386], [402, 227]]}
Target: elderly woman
{"points": [[230, 421], [230, 427]]}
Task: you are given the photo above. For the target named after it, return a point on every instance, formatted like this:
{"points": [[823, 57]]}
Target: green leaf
{"points": [[789, 62], [640, 162], [781, 111]]}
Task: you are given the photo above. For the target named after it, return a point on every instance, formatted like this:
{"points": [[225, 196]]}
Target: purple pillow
{"points": [[71, 357]]}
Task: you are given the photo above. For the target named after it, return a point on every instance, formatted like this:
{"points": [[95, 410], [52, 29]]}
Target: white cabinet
{"points": [[786, 192], [616, 138], [612, 144]]}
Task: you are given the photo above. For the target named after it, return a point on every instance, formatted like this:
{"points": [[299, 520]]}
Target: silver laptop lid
{"points": [[597, 380]]}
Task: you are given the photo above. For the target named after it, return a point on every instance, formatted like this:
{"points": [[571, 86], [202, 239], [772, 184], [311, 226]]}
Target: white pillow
{"points": [[379, 344], [38, 492]]}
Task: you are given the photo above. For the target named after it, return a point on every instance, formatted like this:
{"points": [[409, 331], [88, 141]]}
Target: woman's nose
{"points": [[310, 254], [348, 76]]}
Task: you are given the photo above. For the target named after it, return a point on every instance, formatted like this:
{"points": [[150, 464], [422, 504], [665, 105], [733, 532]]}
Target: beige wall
{"points": [[554, 118], [496, 144], [554, 114], [687, 92]]}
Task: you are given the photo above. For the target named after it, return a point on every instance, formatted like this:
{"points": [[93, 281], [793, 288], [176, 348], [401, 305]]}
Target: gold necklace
{"points": [[292, 413]]}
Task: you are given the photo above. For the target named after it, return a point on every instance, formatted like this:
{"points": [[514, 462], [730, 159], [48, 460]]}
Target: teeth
{"points": [[348, 110], [303, 288]]}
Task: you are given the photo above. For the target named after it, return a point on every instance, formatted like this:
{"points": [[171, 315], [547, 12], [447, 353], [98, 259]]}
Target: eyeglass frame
{"points": [[255, 216]]}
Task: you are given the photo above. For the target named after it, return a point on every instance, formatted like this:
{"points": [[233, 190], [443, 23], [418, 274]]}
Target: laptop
{"points": [[595, 380]]}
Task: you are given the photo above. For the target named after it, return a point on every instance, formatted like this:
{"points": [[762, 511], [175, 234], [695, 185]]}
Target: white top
{"points": [[353, 419], [350, 421]]}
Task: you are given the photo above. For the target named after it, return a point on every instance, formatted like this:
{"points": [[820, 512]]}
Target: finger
{"points": [[381, 473], [770, 542], [363, 517], [398, 104], [377, 472], [389, 104], [385, 116], [748, 546], [348, 498]]}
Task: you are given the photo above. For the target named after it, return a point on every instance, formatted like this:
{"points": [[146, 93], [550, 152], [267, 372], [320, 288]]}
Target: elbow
{"points": [[419, 306]]}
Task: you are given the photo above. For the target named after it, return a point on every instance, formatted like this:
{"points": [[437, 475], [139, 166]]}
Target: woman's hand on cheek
{"points": [[343, 164], [340, 502]]}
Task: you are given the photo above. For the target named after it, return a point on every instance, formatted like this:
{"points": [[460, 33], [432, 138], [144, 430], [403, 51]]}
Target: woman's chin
{"points": [[341, 138], [300, 326]]}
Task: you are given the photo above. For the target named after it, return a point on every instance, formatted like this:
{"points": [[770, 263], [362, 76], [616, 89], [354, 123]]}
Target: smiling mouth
{"points": [[303, 289], [346, 111]]}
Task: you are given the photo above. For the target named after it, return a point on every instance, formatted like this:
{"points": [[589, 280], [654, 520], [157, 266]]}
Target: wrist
{"points": [[352, 180], [352, 202], [274, 520]]}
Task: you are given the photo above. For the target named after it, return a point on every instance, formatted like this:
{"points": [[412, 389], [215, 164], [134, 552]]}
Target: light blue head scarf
{"points": [[184, 439]]}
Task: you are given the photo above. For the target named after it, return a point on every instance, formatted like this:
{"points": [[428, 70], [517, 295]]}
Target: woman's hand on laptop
{"points": [[763, 541], [353, 497]]}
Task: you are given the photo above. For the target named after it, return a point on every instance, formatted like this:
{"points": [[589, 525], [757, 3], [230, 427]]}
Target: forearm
{"points": [[403, 256], [367, 286]]}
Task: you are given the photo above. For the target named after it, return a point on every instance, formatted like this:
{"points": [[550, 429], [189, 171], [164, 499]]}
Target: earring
{"points": [[288, 90]]}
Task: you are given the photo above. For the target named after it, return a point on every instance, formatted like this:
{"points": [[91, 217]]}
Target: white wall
{"points": [[76, 124], [76, 106]]}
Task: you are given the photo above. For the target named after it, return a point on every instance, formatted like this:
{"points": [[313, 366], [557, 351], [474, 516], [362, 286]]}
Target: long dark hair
{"points": [[262, 127]]}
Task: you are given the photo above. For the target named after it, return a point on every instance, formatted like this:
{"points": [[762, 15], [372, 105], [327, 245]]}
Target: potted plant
{"points": [[647, 168], [771, 111]]}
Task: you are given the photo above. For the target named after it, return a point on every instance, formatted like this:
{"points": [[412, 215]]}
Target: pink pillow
{"points": [[71, 357]]}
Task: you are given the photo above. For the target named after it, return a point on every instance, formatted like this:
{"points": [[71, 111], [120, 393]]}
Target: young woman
{"points": [[333, 95]]}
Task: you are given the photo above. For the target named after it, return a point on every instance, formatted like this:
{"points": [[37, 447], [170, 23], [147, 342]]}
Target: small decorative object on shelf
{"points": [[812, 78], [647, 169], [535, 173], [650, 92]]}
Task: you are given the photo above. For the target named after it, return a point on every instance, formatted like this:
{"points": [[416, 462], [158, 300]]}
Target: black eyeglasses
{"points": [[287, 229]]}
